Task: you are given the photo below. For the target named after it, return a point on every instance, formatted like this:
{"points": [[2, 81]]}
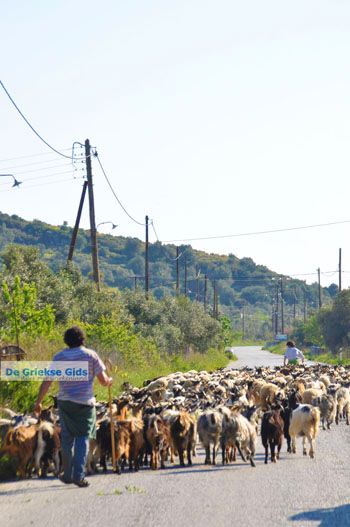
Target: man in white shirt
{"points": [[292, 354]]}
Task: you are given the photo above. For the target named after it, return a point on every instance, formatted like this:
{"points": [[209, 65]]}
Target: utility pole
{"points": [[282, 310], [276, 315], [243, 321], [217, 300], [146, 261], [273, 313], [294, 306], [319, 289], [339, 270], [177, 273], [205, 290], [135, 277], [197, 283], [214, 299], [304, 304], [77, 222], [185, 276], [93, 235]]}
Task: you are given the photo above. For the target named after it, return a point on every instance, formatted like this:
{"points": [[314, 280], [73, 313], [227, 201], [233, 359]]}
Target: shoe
{"points": [[81, 482], [64, 480]]}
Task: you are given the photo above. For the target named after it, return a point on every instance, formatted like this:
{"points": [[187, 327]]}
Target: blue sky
{"points": [[213, 118]]}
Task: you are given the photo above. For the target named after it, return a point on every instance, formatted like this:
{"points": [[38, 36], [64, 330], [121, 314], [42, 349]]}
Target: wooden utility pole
{"points": [[339, 270], [185, 276], [93, 234], [319, 289], [276, 315], [294, 305], [146, 261], [282, 307], [197, 283], [304, 304], [77, 222], [205, 291], [243, 321], [217, 300], [135, 277], [177, 272], [214, 299]]}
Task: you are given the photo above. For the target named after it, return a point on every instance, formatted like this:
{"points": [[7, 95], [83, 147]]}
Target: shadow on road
{"points": [[331, 517]]}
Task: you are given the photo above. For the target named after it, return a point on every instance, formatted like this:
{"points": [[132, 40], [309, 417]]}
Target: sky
{"points": [[212, 118]]}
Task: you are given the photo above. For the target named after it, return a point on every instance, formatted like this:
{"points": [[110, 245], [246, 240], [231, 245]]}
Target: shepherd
{"points": [[76, 406], [292, 354]]}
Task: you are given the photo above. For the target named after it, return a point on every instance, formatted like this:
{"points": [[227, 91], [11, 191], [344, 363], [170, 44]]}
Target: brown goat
{"points": [[183, 435], [21, 442]]}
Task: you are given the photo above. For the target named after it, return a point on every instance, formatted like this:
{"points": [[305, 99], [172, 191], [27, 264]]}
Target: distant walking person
{"points": [[76, 405], [292, 354]]}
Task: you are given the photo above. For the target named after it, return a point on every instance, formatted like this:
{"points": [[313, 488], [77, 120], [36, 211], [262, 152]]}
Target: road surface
{"points": [[295, 492]]}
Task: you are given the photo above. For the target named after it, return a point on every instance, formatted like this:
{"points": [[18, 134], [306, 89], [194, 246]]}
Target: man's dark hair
{"points": [[291, 344], [74, 337]]}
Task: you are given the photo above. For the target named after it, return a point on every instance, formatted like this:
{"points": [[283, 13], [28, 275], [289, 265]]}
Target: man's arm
{"points": [[45, 385], [104, 379]]}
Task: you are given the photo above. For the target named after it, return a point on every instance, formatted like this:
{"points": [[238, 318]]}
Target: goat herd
{"points": [[163, 419]]}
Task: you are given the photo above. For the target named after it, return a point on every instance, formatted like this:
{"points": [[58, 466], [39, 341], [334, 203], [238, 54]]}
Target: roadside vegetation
{"points": [[141, 338]]}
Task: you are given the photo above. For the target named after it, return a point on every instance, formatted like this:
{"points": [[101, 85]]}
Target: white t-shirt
{"points": [[293, 354]]}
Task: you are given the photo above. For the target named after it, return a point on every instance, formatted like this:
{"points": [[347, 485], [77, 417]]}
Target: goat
{"points": [[183, 435], [342, 399], [21, 442], [304, 423], [237, 430], [48, 447], [328, 409], [209, 426], [157, 433], [272, 426]]}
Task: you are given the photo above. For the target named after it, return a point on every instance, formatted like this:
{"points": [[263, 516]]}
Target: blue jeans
{"points": [[81, 446]]}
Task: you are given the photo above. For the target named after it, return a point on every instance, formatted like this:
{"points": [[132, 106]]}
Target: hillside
{"points": [[240, 281]]}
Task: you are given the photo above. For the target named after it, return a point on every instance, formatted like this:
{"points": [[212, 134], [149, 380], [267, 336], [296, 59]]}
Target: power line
{"points": [[30, 126], [43, 184], [32, 155], [114, 194], [258, 232], [152, 223], [42, 168], [43, 177]]}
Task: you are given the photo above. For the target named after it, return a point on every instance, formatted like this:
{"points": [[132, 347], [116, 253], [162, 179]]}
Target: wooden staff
{"points": [[108, 364]]}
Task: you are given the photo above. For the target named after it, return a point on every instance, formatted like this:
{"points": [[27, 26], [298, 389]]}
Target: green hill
{"points": [[240, 281]]}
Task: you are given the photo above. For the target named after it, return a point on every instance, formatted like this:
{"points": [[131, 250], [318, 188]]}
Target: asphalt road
{"points": [[297, 491]]}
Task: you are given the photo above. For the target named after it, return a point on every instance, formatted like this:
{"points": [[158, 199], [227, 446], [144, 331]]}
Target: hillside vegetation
{"points": [[240, 281]]}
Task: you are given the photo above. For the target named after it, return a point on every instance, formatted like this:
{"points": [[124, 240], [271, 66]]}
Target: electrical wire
{"points": [[259, 232], [114, 194], [152, 223], [30, 164], [32, 155], [42, 177], [30, 126], [42, 168], [42, 184]]}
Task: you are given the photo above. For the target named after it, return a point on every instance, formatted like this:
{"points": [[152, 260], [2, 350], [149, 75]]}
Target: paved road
{"points": [[296, 491], [254, 356]]}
